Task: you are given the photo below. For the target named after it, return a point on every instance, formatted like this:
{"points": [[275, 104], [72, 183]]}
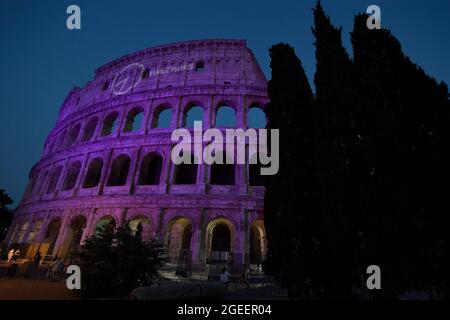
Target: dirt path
{"points": [[34, 289]]}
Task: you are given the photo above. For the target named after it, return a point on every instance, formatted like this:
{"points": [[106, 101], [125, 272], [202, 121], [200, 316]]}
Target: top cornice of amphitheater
{"points": [[171, 48]]}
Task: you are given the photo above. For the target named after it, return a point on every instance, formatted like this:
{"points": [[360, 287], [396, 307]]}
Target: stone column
{"points": [[87, 229], [148, 118], [105, 170], [196, 241], [82, 174], [134, 169], [123, 217], [241, 113], [62, 233]]}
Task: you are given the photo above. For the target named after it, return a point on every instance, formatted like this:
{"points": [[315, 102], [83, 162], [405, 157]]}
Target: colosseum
{"points": [[107, 160]]}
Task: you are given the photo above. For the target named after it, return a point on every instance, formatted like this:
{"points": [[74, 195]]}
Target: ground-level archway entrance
{"points": [[72, 240], [178, 241], [220, 235]]}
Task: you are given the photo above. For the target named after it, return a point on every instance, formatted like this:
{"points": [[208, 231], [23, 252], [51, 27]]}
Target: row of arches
{"points": [[178, 237], [225, 117], [149, 173]]}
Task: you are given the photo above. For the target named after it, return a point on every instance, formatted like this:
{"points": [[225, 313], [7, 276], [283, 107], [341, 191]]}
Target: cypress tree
{"points": [[337, 146], [290, 199], [405, 115]]}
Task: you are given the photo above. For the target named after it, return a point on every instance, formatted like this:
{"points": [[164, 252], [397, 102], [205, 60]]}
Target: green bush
{"points": [[113, 262]]}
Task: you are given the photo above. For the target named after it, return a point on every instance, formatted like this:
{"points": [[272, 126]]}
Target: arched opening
{"points": [[119, 171], [61, 138], [222, 174], [51, 235], [141, 227], [258, 243], [32, 184], [134, 120], [186, 173], [193, 113], [74, 233], [110, 124], [22, 231], [256, 118], [94, 173], [220, 239], [73, 135], [225, 117], [178, 241], [255, 177], [72, 176], [89, 130], [54, 179], [43, 179], [35, 231], [151, 168], [162, 118], [105, 224]]}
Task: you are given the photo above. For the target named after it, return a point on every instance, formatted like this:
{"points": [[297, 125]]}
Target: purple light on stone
{"points": [[107, 160]]}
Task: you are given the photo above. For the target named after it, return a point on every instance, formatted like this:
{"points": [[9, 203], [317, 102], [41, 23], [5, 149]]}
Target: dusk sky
{"points": [[41, 60]]}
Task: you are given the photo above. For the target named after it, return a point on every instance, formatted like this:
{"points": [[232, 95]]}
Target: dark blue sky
{"points": [[40, 60]]}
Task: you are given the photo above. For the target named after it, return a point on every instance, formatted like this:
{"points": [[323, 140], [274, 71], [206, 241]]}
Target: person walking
{"points": [[37, 261], [16, 255], [11, 254], [245, 275], [225, 277]]}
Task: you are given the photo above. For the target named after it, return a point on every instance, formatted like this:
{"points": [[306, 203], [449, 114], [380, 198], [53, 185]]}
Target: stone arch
{"points": [[225, 116], [110, 124], [51, 234], [192, 112], [162, 117], [120, 167], [258, 242], [151, 169], [134, 119], [94, 173], [71, 176], [22, 231], [89, 129], [142, 226], [178, 240], [186, 173], [256, 116], [37, 225], [53, 182], [220, 235], [106, 222], [73, 135], [223, 173], [60, 141], [73, 236]]}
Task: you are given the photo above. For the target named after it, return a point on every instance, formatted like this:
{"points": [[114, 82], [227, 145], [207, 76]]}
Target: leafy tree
{"points": [[290, 200], [115, 262], [5, 213]]}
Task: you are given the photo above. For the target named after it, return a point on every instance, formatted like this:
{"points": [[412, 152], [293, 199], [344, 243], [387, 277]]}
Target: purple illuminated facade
{"points": [[107, 160]]}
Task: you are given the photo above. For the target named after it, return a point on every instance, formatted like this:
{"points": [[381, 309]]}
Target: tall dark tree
{"points": [[290, 200], [337, 159], [405, 116], [5, 213]]}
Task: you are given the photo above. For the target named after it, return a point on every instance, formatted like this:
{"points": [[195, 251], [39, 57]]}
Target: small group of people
{"points": [[56, 268], [13, 255], [225, 276]]}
